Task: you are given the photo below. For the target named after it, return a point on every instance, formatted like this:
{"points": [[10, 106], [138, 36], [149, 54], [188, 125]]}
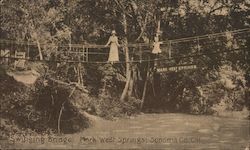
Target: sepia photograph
{"points": [[125, 74]]}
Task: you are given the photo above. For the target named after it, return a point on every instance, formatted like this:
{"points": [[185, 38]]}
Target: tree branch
{"points": [[218, 8], [143, 28], [122, 8]]}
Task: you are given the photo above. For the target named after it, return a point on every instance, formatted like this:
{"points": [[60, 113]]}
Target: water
{"points": [[160, 131]]}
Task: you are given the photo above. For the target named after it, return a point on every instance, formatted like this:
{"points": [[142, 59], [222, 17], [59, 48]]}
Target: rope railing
{"points": [[82, 50], [95, 46], [208, 36], [196, 55]]}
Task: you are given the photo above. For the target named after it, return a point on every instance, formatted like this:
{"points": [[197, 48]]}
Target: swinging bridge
{"points": [[174, 52]]}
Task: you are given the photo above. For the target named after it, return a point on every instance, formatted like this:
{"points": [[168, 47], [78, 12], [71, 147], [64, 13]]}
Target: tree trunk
{"points": [[39, 49], [131, 84], [128, 68], [128, 77], [59, 118], [145, 87], [153, 85], [158, 26]]}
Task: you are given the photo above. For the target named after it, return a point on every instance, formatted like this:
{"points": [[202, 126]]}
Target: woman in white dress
{"points": [[156, 49], [113, 53]]}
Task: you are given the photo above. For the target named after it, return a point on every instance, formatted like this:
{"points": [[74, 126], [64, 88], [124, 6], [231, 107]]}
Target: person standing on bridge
{"points": [[113, 53], [156, 49]]}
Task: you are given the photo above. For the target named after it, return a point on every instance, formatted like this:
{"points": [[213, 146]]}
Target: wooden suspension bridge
{"points": [[182, 48]]}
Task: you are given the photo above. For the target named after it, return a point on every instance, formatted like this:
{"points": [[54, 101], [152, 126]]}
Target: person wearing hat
{"points": [[156, 50], [113, 53]]}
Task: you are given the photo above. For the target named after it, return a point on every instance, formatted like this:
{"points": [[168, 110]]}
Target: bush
{"points": [[227, 92], [16, 105], [198, 92], [110, 107], [50, 98]]}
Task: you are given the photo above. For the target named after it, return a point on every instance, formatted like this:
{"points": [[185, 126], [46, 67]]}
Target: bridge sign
{"points": [[19, 63], [176, 68]]}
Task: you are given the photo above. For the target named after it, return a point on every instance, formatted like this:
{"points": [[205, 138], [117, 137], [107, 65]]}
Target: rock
{"points": [[27, 77]]}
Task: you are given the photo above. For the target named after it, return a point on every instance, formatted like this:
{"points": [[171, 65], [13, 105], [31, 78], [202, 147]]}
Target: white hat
{"points": [[113, 32]]}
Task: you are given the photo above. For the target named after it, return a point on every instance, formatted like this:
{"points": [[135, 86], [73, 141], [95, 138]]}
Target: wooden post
{"points": [[169, 49], [198, 46], [11, 52], [28, 50], [69, 50], [82, 53], [87, 54]]}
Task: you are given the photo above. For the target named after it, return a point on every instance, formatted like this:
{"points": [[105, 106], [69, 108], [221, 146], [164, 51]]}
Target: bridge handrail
{"points": [[89, 46]]}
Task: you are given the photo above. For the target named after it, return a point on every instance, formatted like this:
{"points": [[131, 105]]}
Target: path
{"points": [[163, 131]]}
